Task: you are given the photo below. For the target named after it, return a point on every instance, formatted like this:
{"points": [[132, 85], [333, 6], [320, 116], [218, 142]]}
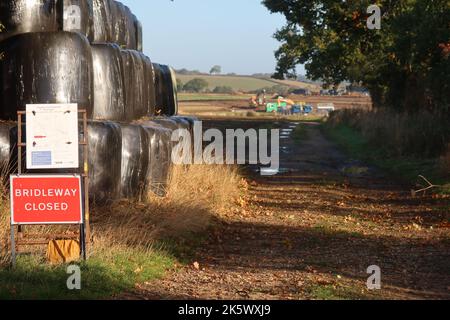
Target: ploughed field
{"points": [[202, 105]]}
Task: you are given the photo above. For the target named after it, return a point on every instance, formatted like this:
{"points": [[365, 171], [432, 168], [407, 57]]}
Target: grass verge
{"points": [[132, 242], [408, 168]]}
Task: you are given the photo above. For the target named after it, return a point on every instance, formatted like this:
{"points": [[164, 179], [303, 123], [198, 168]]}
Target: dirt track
{"points": [[312, 232]]}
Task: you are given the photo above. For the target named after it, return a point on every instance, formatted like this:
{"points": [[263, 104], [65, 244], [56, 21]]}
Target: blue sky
{"points": [[197, 34]]}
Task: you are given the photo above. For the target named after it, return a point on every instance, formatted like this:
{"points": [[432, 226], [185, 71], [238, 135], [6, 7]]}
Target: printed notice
{"points": [[52, 136]]}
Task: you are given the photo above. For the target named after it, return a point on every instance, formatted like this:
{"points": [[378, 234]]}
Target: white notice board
{"points": [[52, 136]]}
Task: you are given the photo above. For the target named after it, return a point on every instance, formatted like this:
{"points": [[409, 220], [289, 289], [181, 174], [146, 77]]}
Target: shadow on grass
{"points": [[101, 278]]}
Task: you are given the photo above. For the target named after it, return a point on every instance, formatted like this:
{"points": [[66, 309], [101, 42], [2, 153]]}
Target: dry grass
{"points": [[4, 216], [195, 195], [132, 242]]}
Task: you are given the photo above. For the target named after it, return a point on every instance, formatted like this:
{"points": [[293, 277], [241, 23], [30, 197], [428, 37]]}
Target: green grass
{"points": [[406, 168], [300, 133], [100, 277], [330, 292]]}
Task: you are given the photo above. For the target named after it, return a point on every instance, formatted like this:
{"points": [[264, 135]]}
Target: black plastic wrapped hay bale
{"points": [[135, 161], [183, 142], [105, 156], [130, 29], [173, 92], [136, 85], [173, 124], [78, 17], [166, 90], [139, 37], [150, 84], [102, 21], [123, 31], [160, 151], [166, 123], [24, 16], [44, 68], [161, 100], [109, 88], [190, 120], [7, 146], [182, 122]]}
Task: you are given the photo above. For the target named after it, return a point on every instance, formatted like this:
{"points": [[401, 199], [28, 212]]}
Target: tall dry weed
{"points": [[195, 195], [422, 134], [4, 215]]}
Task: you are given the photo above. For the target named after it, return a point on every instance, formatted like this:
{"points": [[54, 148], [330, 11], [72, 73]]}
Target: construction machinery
{"points": [[282, 105], [259, 100], [302, 108], [289, 107]]}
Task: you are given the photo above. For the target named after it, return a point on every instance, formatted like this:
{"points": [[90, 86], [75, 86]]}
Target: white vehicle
{"points": [[327, 107]]}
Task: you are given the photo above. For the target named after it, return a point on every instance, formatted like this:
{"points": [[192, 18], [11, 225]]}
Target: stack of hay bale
{"points": [[89, 52]]}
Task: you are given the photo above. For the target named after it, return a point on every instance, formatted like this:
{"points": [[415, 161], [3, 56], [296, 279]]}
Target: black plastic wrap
{"points": [[189, 119], [7, 145], [78, 17], [105, 157], [173, 91], [136, 85], [23, 16], [160, 148], [150, 81], [182, 122], [159, 88], [102, 21], [166, 123], [109, 89], [166, 90], [123, 30], [44, 68], [139, 35], [135, 161]]}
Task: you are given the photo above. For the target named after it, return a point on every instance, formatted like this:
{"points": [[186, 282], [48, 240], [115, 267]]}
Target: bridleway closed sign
{"points": [[46, 199]]}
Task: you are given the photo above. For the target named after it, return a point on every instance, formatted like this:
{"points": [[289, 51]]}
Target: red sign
{"points": [[44, 199]]}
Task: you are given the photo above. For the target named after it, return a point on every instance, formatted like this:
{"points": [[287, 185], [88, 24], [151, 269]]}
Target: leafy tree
{"points": [[280, 90], [404, 64], [179, 85], [196, 85], [216, 70]]}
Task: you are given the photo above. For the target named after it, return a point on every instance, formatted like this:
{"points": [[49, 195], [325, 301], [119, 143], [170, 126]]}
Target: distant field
{"points": [[211, 97], [242, 83], [298, 84], [235, 82]]}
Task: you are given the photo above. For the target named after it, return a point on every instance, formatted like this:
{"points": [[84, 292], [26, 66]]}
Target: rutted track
{"points": [[312, 231]]}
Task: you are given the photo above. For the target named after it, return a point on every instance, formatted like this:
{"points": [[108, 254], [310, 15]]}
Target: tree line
{"points": [[405, 64]]}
